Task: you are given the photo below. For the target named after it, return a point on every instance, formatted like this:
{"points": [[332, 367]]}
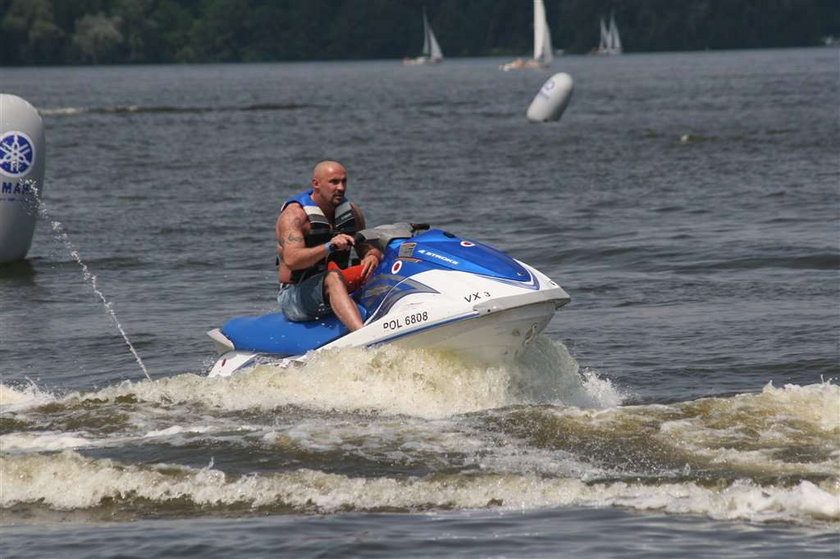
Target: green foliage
{"points": [[172, 31], [30, 31], [98, 38]]}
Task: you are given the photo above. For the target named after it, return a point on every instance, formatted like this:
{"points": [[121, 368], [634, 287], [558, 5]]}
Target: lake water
{"points": [[685, 402]]}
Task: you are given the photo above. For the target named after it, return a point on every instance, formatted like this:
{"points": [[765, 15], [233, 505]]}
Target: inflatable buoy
{"points": [[22, 157], [552, 98]]}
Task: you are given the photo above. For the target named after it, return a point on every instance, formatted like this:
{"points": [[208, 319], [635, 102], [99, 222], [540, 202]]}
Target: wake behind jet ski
{"points": [[432, 290]]}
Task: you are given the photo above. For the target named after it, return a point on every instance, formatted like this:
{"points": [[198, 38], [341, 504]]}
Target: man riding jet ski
{"points": [[430, 290], [314, 237]]}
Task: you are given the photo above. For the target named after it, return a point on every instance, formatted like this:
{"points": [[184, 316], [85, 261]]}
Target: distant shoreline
{"points": [[449, 60]]}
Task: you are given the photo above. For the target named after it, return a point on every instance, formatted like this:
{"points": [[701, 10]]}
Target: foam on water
{"points": [[21, 397], [767, 456], [69, 481], [780, 430], [790, 431], [42, 441], [388, 380], [178, 430]]}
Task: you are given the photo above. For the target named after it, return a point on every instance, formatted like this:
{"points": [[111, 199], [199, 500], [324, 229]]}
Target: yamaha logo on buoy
{"points": [[22, 158], [17, 153]]}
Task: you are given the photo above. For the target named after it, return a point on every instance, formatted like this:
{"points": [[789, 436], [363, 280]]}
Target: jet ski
{"points": [[432, 290]]}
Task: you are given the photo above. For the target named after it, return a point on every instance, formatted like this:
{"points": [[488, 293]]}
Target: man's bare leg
{"points": [[342, 304]]}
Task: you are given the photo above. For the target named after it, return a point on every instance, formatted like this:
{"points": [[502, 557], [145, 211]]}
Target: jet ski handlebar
{"points": [[381, 235]]}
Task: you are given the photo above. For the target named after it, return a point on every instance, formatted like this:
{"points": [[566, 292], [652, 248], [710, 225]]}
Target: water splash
{"points": [[388, 380], [61, 235], [71, 481]]}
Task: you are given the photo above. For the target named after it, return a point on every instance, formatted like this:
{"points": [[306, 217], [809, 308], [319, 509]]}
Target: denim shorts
{"points": [[304, 300]]}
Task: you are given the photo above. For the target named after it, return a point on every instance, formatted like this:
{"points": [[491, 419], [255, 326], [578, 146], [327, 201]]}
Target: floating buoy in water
{"points": [[22, 157], [552, 98]]}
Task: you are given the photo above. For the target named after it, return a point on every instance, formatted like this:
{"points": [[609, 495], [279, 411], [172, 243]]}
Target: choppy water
{"points": [[684, 403]]}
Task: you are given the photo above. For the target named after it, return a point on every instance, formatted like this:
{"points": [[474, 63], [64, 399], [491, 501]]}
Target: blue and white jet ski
{"points": [[432, 290]]}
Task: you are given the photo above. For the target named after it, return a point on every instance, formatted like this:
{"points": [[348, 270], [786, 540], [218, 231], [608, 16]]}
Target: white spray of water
{"points": [[12, 398], [61, 236], [91, 278], [391, 381]]}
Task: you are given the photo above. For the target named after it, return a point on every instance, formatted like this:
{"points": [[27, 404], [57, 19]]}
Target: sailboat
{"points": [[431, 53], [543, 53], [610, 43]]}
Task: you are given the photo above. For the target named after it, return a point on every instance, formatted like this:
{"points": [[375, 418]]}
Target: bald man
{"points": [[314, 228]]}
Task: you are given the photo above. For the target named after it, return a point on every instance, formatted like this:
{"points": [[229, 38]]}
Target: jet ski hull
{"points": [[487, 338], [432, 291]]}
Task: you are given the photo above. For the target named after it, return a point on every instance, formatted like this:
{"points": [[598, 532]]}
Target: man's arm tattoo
{"points": [[293, 236]]}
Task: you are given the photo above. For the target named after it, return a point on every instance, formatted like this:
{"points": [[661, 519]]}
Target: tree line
{"points": [[56, 32]]}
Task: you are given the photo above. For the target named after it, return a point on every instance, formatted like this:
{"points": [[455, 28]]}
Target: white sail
{"points": [[604, 44], [543, 52], [615, 39], [610, 42], [426, 48], [542, 36], [431, 48], [432, 53]]}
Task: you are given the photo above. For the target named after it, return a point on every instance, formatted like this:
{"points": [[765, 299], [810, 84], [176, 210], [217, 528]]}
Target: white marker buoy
{"points": [[22, 155], [552, 98]]}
